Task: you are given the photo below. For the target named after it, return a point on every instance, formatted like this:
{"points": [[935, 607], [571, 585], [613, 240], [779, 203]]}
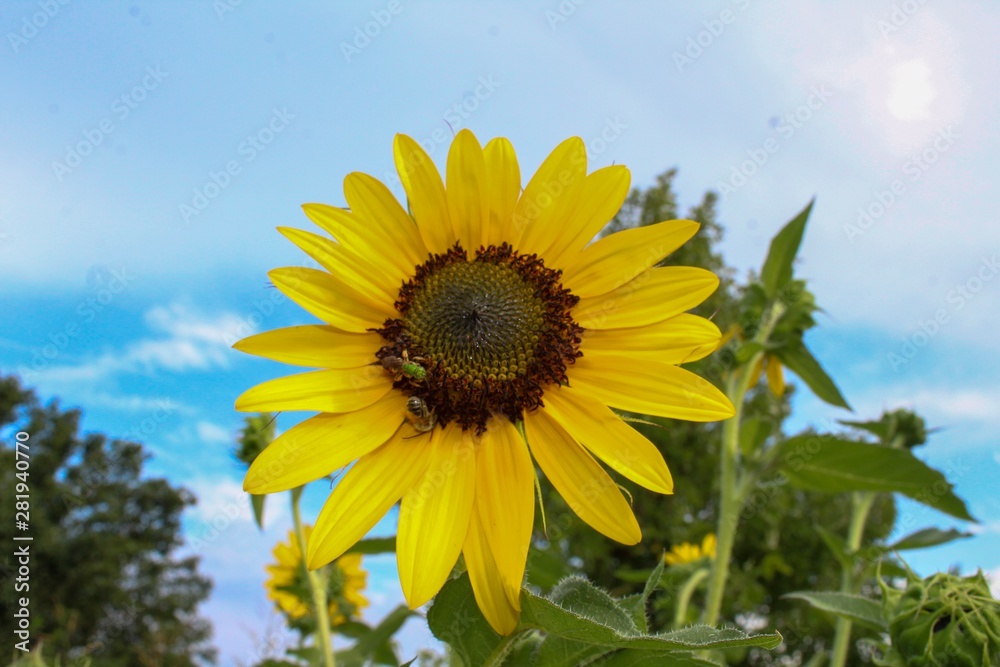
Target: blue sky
{"points": [[122, 119]]}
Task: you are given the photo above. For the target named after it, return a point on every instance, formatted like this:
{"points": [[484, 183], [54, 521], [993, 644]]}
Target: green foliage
{"points": [[905, 425], [105, 582], [941, 621], [833, 465], [374, 645], [576, 623], [258, 432], [778, 550], [928, 537], [797, 357], [777, 269], [854, 607]]}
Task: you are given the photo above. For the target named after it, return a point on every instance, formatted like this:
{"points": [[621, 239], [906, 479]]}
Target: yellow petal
{"points": [[616, 259], [487, 582], [503, 178], [679, 340], [365, 239], [600, 430], [340, 390], [342, 263], [708, 545], [650, 387], [653, 296], [314, 345], [322, 444], [467, 190], [425, 192], [548, 197], [365, 494], [580, 480], [775, 376], [434, 515], [371, 201], [331, 300], [506, 502], [603, 194]]}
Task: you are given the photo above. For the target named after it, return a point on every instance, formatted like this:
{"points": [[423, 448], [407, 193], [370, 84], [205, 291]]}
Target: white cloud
{"points": [[993, 576], [213, 433], [910, 90], [184, 341], [937, 405]]}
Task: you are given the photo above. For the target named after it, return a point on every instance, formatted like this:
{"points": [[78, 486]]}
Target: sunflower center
{"points": [[480, 337]]}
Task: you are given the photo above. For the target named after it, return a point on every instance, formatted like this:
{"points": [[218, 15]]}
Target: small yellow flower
{"points": [[467, 337], [684, 553], [288, 589]]}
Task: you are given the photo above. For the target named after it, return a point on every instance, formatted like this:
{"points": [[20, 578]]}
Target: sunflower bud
{"points": [[257, 433], [944, 621]]}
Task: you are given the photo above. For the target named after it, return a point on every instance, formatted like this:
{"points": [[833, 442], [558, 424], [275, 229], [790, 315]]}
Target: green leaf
{"points": [[753, 433], [928, 537], [578, 595], [559, 652], [546, 615], [635, 605], [777, 270], [798, 359], [454, 618], [258, 509], [879, 429], [352, 629], [376, 643], [832, 465], [852, 607], [374, 545], [633, 658]]}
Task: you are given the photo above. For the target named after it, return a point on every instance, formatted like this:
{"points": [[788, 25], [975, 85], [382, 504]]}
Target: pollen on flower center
{"points": [[491, 332]]}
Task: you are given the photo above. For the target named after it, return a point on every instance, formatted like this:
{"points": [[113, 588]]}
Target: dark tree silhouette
{"points": [[105, 582]]}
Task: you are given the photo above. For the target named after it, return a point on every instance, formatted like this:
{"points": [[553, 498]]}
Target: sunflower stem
{"points": [[861, 504], [317, 586], [733, 491], [684, 597]]}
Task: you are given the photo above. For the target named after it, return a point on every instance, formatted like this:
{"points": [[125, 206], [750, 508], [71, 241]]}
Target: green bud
{"points": [[257, 434], [906, 425], [944, 621]]}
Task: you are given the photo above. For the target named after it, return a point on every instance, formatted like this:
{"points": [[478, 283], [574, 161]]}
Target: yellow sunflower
{"points": [[468, 335], [686, 552], [288, 589]]}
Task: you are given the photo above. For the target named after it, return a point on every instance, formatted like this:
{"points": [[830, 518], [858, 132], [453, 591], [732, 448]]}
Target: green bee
{"points": [[405, 367]]}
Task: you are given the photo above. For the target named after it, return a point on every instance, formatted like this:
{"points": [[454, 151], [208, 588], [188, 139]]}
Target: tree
{"points": [[105, 581], [778, 550]]}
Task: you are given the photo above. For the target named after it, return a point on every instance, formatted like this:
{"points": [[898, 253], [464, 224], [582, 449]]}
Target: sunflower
{"points": [[684, 553], [468, 338], [288, 589]]}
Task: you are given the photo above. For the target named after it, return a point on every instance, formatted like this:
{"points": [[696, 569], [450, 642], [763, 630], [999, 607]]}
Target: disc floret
{"points": [[490, 333]]}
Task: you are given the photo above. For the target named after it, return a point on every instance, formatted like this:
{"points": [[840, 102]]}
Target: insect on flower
{"points": [[419, 415], [404, 366]]}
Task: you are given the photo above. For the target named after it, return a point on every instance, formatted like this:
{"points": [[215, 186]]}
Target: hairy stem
{"points": [[731, 478], [317, 586], [684, 597], [861, 504]]}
